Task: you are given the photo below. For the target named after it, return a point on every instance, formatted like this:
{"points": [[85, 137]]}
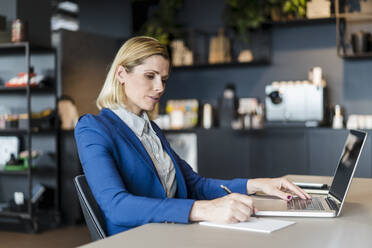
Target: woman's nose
{"points": [[159, 86]]}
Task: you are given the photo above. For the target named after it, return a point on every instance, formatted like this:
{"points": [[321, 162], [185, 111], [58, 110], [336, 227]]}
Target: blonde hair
{"points": [[131, 54]]}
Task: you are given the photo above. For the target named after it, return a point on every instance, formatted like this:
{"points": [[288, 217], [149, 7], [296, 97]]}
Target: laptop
{"points": [[329, 205]]}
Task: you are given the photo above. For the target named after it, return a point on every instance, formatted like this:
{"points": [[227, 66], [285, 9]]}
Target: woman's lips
{"points": [[155, 99]]}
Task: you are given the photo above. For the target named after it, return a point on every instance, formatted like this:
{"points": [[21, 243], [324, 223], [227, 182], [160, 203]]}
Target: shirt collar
{"points": [[138, 124]]}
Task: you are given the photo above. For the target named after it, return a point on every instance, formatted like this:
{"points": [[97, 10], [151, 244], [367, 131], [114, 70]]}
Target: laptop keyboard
{"points": [[301, 204]]}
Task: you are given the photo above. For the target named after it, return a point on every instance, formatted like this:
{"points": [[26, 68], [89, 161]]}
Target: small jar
{"points": [[18, 31]]}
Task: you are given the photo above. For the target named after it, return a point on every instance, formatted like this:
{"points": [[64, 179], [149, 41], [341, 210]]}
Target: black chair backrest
{"points": [[92, 212]]}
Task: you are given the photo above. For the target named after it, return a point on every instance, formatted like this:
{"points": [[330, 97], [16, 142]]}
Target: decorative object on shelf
{"points": [[19, 31], [274, 9], [181, 55], [39, 159], [11, 121], [228, 106], [4, 112], [42, 196], [207, 116], [5, 36], [360, 42], [162, 24], [245, 56], [219, 49], [2, 23], [250, 113], [8, 145], [318, 9], [315, 76], [67, 112], [14, 164], [163, 121], [183, 114], [21, 80], [65, 16], [19, 198], [353, 19], [39, 120], [359, 122], [295, 9], [338, 119]]}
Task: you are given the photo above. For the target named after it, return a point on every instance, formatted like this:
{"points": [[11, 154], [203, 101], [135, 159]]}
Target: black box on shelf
{"points": [[2, 23]]}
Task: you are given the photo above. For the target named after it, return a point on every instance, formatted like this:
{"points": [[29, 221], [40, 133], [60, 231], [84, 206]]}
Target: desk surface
{"points": [[353, 228]]}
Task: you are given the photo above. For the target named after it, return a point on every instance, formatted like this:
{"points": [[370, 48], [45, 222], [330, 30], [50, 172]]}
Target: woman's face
{"points": [[145, 84]]}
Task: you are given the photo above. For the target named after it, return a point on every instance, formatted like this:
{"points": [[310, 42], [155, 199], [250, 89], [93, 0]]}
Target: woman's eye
{"points": [[149, 76], [164, 81]]}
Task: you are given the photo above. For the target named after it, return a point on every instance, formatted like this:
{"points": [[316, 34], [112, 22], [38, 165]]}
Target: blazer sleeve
{"points": [[121, 207]]}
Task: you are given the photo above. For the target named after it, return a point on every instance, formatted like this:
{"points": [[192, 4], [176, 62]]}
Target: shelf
{"points": [[23, 90], [16, 131], [14, 173], [355, 16], [328, 20], [36, 171], [23, 215], [20, 47], [357, 56], [222, 65]]}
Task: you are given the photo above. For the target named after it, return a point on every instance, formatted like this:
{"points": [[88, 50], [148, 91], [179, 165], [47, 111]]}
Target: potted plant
{"points": [[243, 16], [162, 24], [295, 9]]}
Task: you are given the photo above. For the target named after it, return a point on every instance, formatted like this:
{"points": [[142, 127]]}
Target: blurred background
{"points": [[257, 89]]}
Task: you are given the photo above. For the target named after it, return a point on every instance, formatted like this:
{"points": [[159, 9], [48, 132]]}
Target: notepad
{"points": [[262, 225]]}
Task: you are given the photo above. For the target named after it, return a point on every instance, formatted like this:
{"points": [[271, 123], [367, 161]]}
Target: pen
{"points": [[228, 191]]}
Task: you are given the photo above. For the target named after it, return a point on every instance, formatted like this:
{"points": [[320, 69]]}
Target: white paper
{"points": [[263, 225]]}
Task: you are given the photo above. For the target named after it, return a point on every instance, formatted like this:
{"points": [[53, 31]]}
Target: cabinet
{"points": [[274, 152], [43, 171]]}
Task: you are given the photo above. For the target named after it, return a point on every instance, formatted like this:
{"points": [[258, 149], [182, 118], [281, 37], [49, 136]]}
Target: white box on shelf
{"points": [[318, 9]]}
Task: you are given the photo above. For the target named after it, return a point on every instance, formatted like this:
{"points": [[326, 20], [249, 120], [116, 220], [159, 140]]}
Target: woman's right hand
{"points": [[231, 208]]}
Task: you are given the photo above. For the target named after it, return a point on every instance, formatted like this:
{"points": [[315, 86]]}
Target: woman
{"points": [[134, 174]]}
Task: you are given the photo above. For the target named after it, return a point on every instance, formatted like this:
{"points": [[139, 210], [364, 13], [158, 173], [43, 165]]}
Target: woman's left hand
{"points": [[277, 187]]}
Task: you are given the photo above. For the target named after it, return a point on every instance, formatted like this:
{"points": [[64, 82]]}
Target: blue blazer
{"points": [[124, 181]]}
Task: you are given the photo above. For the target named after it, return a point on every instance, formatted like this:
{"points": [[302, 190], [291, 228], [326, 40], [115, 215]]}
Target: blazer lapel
{"points": [[128, 134]]}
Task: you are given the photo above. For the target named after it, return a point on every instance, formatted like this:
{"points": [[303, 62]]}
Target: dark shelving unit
{"points": [[19, 47], [21, 90], [222, 65], [302, 22], [15, 131], [198, 41], [367, 55], [32, 215]]}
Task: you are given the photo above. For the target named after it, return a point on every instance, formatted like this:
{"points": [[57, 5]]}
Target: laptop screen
{"points": [[347, 163]]}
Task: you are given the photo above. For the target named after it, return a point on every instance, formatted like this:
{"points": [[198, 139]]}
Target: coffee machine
{"points": [[299, 101]]}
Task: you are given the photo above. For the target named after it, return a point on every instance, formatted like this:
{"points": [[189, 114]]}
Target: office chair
{"points": [[92, 213]]}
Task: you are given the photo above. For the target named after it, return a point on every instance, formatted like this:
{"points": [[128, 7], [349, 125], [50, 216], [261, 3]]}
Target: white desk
{"points": [[353, 228]]}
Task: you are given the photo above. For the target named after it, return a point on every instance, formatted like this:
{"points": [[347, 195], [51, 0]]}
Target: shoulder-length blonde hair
{"points": [[131, 54]]}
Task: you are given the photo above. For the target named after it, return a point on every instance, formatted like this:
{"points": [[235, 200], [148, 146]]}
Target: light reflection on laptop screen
{"points": [[347, 164]]}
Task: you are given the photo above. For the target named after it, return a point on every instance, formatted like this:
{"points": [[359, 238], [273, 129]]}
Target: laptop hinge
{"points": [[335, 200]]}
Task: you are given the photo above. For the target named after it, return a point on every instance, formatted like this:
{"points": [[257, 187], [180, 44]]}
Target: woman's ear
{"points": [[121, 74]]}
